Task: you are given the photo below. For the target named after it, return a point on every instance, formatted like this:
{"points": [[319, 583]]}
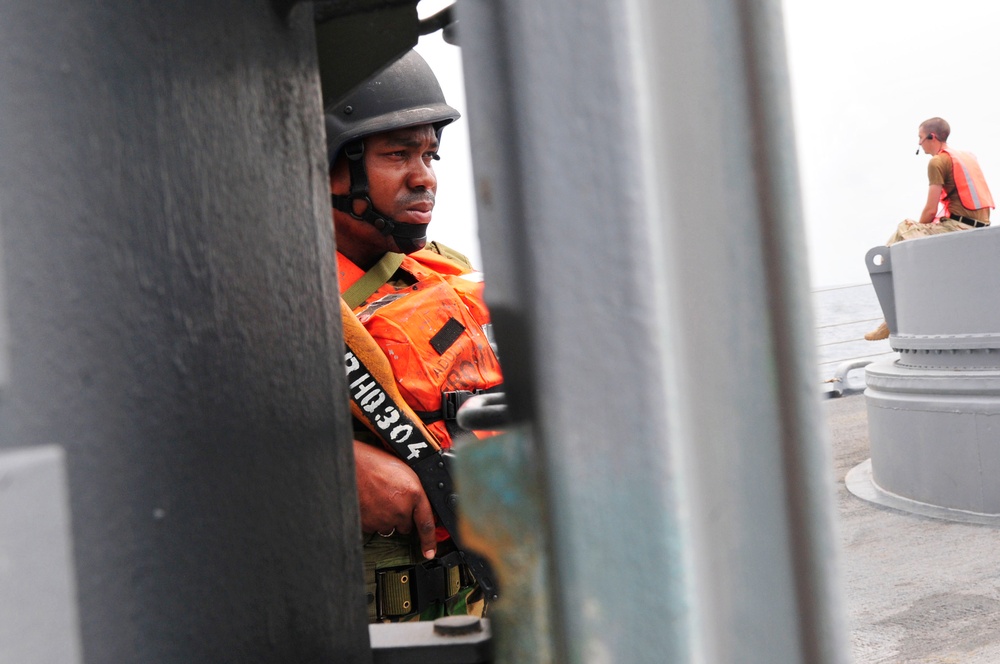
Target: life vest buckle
{"points": [[452, 401]]}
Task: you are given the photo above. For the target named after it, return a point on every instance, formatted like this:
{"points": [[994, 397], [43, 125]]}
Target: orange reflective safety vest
{"points": [[432, 333], [969, 181]]}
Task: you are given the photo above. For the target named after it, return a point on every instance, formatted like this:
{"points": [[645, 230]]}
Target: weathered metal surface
{"points": [[501, 517], [167, 255]]}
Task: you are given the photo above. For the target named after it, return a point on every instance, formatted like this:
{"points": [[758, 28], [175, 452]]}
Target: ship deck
{"points": [[916, 589]]}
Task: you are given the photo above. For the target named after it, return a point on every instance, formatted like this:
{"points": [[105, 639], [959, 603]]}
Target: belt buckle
{"points": [[394, 592], [407, 589]]}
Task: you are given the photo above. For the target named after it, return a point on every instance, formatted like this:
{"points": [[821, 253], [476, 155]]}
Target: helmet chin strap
{"points": [[408, 237]]}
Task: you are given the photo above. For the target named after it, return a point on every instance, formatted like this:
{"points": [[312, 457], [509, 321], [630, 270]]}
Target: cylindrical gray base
{"points": [[935, 437], [859, 482]]}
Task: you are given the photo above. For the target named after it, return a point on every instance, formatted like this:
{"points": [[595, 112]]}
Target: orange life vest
{"points": [[431, 331], [969, 181]]}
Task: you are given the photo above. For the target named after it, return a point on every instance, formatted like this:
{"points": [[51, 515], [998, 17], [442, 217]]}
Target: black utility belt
{"points": [[406, 589], [975, 223]]}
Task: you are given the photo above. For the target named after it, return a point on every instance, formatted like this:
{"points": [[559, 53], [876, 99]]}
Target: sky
{"points": [[864, 74], [454, 221]]}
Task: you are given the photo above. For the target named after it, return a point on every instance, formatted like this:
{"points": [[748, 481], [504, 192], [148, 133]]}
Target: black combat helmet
{"points": [[404, 94]]}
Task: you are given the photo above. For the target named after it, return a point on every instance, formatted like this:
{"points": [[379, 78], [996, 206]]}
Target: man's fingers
{"points": [[391, 497], [423, 519]]}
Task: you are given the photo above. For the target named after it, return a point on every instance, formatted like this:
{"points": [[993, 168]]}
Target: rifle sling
{"points": [[378, 276]]}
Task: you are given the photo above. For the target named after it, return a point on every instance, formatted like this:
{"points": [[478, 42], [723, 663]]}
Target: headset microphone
{"points": [[928, 137]]}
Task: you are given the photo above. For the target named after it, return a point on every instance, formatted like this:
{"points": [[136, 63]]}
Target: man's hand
{"points": [[390, 496], [931, 206]]}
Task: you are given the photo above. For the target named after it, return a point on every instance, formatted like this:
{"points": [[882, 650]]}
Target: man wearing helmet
{"points": [[424, 308]]}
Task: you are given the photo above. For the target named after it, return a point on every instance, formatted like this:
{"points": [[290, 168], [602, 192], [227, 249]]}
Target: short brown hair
{"points": [[937, 127]]}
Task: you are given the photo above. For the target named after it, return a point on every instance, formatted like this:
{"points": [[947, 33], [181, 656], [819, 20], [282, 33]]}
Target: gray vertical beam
{"points": [[573, 284], [717, 113], [167, 259], [639, 212]]}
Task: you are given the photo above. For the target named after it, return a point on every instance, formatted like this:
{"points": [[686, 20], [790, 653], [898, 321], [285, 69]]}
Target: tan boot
{"points": [[879, 333]]}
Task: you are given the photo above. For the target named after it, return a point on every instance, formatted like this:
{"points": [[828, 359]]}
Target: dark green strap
{"points": [[372, 280]]}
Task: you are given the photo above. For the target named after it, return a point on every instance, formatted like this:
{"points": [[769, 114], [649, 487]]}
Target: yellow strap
{"points": [[367, 359], [372, 280]]}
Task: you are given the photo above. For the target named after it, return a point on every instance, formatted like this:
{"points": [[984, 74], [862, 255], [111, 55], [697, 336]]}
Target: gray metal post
{"points": [[167, 260], [639, 213], [38, 617], [574, 291], [721, 154]]}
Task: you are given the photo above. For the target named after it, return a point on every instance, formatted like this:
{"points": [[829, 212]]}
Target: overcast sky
{"points": [[864, 74], [455, 210]]}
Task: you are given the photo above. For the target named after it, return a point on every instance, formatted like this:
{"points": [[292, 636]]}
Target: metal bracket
{"points": [[879, 262], [357, 38], [458, 639]]}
